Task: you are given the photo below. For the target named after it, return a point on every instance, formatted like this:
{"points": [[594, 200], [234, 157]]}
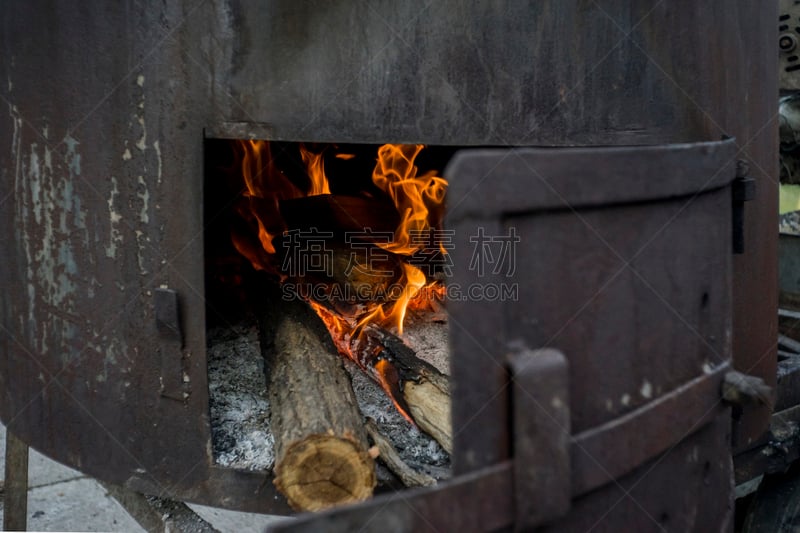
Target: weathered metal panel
{"points": [[744, 105], [649, 282], [647, 499], [607, 452], [102, 122], [494, 73], [636, 294]]}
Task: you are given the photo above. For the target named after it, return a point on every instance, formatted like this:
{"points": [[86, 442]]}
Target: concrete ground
{"points": [[63, 499]]}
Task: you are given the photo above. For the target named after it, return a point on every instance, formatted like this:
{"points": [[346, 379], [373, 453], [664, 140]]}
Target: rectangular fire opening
{"points": [[355, 229]]}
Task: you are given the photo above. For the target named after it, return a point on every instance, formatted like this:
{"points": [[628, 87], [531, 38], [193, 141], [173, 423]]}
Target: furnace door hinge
{"points": [[743, 189]]}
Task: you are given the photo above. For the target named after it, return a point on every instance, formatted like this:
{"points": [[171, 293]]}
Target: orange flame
{"points": [[419, 199], [390, 315], [265, 187], [347, 332], [415, 197], [316, 171]]}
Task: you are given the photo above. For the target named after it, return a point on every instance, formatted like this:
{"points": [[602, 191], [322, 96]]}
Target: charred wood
{"points": [[414, 384], [389, 456]]}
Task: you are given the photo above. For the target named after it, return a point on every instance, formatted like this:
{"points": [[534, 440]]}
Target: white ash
{"points": [[426, 334], [241, 435]]}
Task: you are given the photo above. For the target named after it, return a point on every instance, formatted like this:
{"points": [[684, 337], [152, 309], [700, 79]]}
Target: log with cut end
{"points": [[322, 454]]}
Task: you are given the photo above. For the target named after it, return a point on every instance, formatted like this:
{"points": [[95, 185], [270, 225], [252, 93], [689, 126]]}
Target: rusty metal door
{"points": [[623, 263], [619, 259]]}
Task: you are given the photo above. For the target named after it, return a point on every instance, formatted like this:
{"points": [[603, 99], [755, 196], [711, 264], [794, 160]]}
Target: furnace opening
{"points": [[340, 248]]}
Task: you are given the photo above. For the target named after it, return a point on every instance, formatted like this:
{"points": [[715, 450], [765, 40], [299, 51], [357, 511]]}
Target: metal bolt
{"points": [[787, 42]]}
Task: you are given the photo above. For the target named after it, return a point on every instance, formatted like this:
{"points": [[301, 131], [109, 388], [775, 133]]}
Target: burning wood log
{"points": [[356, 279], [418, 390], [415, 385], [322, 455]]}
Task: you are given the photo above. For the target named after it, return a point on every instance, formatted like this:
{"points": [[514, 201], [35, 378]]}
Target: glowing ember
{"points": [[419, 201]]}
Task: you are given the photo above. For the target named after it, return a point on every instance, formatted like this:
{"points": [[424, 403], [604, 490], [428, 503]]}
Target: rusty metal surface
{"points": [[633, 287], [15, 487], [495, 73], [753, 121], [480, 382], [541, 437], [102, 163], [101, 171], [520, 180], [166, 309], [480, 501], [608, 452], [649, 498]]}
